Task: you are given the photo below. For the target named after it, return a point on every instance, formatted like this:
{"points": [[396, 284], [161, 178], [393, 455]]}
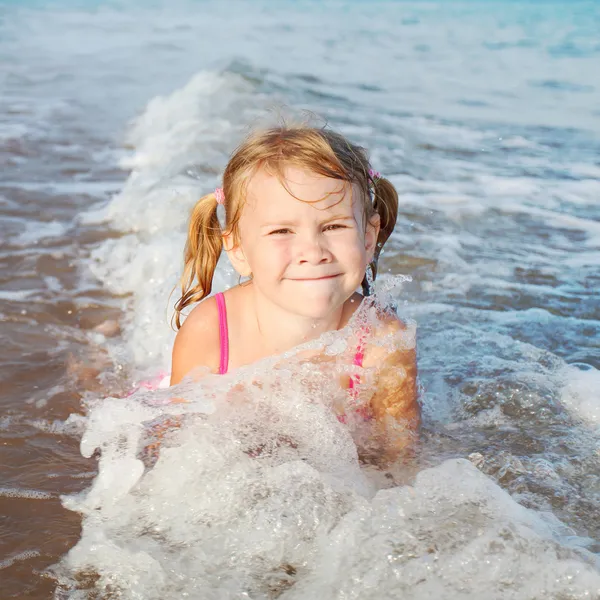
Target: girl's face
{"points": [[307, 256]]}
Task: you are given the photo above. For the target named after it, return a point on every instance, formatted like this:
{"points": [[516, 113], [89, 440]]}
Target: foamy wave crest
{"points": [[180, 145], [249, 485]]}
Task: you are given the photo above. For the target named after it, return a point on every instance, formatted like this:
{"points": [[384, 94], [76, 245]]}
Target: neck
{"points": [[281, 330]]}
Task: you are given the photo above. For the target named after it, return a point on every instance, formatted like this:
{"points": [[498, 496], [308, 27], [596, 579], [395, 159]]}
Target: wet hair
{"points": [[317, 150]]}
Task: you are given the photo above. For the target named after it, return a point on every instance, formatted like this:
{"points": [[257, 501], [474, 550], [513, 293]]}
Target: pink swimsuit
{"points": [[223, 333]]}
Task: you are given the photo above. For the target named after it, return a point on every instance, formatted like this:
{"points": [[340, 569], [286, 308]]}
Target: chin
{"points": [[315, 307]]}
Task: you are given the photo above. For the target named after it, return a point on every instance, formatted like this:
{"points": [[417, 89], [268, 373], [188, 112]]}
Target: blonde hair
{"points": [[317, 150]]}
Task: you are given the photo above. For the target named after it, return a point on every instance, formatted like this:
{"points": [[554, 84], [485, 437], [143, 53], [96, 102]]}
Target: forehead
{"points": [[301, 192]]}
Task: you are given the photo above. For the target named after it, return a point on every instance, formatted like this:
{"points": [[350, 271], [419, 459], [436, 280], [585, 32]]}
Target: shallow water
{"points": [[114, 118]]}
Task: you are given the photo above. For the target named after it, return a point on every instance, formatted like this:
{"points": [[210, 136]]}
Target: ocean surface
{"points": [[115, 116]]}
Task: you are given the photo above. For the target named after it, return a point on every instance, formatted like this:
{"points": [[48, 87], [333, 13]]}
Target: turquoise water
{"points": [[115, 116]]}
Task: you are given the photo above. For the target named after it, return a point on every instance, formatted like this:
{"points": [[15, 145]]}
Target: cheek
{"points": [[351, 250], [270, 257]]}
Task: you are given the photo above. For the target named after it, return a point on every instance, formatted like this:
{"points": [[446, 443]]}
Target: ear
{"points": [[371, 235], [236, 256]]}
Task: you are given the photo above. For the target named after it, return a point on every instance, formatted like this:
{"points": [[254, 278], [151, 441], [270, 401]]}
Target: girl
{"points": [[305, 217]]}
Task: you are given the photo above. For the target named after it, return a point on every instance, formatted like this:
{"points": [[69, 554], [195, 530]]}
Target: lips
{"points": [[321, 278]]}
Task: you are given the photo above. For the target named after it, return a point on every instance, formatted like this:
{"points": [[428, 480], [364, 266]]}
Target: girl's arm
{"points": [[197, 343], [394, 402], [395, 394]]}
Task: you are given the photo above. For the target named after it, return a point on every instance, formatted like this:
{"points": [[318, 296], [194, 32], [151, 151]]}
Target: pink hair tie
{"points": [[220, 195]]}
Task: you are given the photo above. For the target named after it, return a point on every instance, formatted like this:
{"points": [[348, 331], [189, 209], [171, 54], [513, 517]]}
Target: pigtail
{"points": [[202, 251], [385, 203]]}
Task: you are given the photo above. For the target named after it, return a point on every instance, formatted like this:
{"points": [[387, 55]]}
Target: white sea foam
{"points": [[581, 393], [73, 426], [35, 231], [258, 490], [16, 295], [20, 556], [26, 494], [269, 498]]}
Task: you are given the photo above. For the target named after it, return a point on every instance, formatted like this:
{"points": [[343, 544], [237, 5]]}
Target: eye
{"points": [[281, 231], [335, 226]]}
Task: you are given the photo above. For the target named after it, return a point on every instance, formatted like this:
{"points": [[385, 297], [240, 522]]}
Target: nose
{"points": [[313, 250]]}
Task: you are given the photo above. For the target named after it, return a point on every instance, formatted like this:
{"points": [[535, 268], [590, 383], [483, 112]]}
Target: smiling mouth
{"points": [[316, 278]]}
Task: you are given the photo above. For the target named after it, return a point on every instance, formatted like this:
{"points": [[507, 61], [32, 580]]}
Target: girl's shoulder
{"points": [[197, 343]]}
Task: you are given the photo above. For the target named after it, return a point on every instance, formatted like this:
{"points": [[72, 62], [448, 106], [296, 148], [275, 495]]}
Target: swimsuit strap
{"points": [[360, 353], [223, 333], [359, 356]]}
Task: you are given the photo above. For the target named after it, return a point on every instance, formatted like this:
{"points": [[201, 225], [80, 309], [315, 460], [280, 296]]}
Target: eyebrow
{"points": [[340, 218], [289, 223], [278, 224]]}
